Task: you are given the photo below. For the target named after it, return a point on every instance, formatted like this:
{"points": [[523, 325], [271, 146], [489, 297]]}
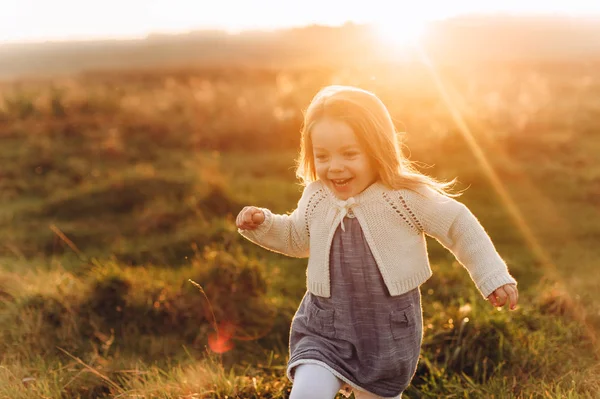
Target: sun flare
{"points": [[397, 33]]}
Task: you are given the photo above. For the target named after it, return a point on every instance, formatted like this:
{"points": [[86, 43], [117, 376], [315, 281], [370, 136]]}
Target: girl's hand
{"points": [[249, 218], [499, 297]]}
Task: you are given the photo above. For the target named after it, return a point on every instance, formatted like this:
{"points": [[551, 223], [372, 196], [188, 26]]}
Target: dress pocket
{"points": [[402, 323], [321, 321]]}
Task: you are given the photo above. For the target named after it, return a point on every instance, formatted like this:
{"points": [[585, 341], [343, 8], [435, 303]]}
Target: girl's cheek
{"points": [[321, 169]]}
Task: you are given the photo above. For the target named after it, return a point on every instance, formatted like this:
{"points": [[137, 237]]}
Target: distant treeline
{"points": [[457, 40]]}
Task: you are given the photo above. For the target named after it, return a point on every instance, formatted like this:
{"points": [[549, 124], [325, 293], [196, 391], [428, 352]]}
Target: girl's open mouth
{"points": [[341, 182]]}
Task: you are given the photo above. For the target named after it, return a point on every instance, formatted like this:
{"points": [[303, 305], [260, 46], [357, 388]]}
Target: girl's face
{"points": [[340, 161]]}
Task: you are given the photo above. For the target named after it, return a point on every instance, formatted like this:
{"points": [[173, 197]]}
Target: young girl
{"points": [[362, 218]]}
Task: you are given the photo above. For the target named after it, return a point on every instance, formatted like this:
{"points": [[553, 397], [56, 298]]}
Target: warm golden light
{"points": [[400, 33], [35, 20]]}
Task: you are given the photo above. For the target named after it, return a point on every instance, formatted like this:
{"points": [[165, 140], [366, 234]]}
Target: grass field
{"points": [[119, 190]]}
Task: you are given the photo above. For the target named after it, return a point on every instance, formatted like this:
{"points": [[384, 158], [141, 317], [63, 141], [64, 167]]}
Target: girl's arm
{"points": [[285, 234], [456, 228]]}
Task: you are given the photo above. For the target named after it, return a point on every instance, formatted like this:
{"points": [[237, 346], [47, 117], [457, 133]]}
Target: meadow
{"points": [[122, 273]]}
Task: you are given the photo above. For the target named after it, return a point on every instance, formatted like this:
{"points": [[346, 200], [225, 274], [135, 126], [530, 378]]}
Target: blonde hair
{"points": [[370, 120]]}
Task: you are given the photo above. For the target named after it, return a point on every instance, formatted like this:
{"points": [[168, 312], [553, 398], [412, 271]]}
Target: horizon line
{"points": [[266, 29]]}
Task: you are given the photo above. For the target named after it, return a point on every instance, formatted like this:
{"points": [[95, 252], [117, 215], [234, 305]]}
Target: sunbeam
{"points": [[516, 215]]}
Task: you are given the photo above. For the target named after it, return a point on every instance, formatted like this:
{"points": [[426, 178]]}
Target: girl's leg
{"points": [[312, 381]]}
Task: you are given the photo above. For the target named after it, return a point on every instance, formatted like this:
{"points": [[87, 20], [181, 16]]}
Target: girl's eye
{"points": [[350, 154], [321, 157]]}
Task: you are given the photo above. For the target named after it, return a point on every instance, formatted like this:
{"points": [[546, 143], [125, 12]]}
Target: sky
{"points": [[42, 20]]}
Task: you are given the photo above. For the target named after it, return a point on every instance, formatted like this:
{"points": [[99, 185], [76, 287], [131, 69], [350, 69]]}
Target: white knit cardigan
{"points": [[394, 223]]}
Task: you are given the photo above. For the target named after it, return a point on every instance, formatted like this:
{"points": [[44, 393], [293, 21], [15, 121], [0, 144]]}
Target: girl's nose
{"points": [[336, 166]]}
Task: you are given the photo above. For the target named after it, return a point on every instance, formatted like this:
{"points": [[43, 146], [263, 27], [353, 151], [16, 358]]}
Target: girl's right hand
{"points": [[249, 218]]}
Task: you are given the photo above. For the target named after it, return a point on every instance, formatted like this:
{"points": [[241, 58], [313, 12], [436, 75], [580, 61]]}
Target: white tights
{"points": [[313, 381]]}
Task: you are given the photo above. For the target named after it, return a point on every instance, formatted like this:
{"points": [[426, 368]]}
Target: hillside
{"points": [[458, 40]]}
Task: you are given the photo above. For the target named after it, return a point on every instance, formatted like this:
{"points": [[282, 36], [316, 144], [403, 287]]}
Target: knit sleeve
{"points": [[285, 234], [453, 225]]}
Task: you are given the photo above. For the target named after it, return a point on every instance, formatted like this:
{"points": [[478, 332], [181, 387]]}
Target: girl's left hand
{"points": [[499, 297]]}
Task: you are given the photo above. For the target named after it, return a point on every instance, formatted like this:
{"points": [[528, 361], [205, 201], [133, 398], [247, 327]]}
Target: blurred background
{"points": [[132, 133]]}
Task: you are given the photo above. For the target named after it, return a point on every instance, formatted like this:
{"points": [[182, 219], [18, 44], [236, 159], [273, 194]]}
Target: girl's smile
{"points": [[341, 162]]}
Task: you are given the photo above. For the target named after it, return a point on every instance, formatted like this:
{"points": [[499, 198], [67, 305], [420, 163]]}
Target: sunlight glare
{"points": [[397, 33]]}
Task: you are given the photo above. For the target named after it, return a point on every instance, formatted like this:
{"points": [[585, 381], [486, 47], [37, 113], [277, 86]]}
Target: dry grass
{"points": [[117, 191]]}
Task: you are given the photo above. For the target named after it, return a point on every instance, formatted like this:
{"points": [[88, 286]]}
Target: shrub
{"points": [[235, 290]]}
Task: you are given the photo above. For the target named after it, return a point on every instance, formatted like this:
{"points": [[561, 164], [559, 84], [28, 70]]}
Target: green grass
{"points": [[103, 231]]}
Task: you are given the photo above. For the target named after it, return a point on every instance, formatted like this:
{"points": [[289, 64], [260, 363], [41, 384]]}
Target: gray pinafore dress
{"points": [[367, 338]]}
